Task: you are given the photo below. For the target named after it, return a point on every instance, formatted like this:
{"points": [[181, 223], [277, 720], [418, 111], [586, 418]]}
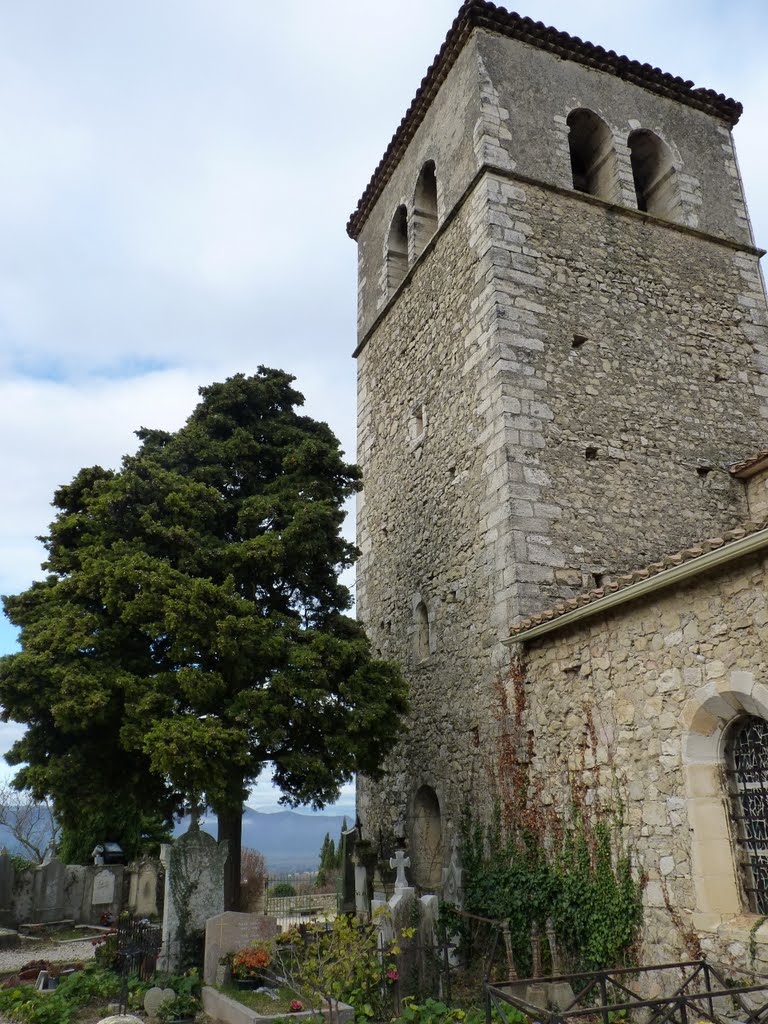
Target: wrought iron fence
{"points": [[704, 993], [301, 897], [138, 947]]}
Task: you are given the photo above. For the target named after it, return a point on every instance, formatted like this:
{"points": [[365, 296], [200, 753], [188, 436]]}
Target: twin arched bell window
{"points": [[746, 770], [595, 168], [654, 175], [421, 226]]}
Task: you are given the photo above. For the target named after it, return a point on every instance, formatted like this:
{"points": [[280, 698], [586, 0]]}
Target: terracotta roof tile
{"points": [[637, 575], [748, 467], [483, 14]]}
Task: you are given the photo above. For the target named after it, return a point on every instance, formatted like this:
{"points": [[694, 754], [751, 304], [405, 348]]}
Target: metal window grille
{"points": [[748, 773]]}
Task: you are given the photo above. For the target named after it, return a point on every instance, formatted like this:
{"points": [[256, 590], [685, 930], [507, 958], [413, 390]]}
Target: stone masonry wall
{"points": [[431, 525], [645, 348], [496, 509], [625, 706], [507, 461]]}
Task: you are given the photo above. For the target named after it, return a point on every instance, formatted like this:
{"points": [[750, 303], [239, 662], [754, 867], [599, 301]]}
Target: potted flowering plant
{"points": [[250, 965]]}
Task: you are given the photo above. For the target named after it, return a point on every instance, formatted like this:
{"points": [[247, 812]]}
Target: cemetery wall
{"points": [[630, 709], [73, 892]]}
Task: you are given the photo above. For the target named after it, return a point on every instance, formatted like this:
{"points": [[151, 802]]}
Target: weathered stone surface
{"points": [[154, 999], [121, 1018], [230, 931], [103, 888], [194, 890], [580, 375]]}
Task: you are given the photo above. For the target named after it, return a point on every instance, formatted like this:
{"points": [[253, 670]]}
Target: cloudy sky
{"points": [[175, 179]]}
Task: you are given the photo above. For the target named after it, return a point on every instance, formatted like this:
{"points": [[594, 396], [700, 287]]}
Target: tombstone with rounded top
{"points": [[154, 999]]}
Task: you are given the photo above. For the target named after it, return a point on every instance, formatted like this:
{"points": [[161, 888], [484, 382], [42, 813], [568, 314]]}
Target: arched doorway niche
{"points": [[427, 839]]}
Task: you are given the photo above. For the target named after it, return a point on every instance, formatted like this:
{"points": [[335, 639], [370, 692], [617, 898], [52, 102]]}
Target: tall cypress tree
{"points": [[192, 627]]}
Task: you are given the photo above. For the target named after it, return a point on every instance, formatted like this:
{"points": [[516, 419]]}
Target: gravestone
{"points": [[102, 892], [142, 889], [400, 909], [154, 999], [103, 888], [75, 887], [48, 891], [230, 931], [194, 892], [6, 890], [453, 891]]}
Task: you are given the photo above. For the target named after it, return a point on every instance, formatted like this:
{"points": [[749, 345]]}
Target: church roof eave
{"points": [[683, 565]]}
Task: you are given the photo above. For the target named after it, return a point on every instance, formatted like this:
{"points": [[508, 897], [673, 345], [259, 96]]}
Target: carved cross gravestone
{"points": [[400, 862]]}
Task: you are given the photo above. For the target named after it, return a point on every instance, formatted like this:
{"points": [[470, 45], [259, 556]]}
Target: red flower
{"points": [[296, 1006], [393, 974]]}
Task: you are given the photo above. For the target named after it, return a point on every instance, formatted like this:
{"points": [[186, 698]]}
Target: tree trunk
{"points": [[231, 829]]}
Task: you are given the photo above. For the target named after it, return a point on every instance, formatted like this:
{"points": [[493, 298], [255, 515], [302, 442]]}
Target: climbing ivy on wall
{"points": [[581, 881], [535, 865]]}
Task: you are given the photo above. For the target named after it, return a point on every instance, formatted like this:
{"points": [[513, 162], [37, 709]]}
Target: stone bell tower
{"points": [[562, 341]]}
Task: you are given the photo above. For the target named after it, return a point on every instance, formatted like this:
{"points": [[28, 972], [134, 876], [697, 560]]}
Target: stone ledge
{"points": [[733, 929]]}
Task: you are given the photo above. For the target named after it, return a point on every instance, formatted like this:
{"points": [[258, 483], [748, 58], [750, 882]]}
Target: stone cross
{"points": [[401, 862]]}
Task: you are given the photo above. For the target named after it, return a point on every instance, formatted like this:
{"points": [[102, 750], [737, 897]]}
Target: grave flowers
{"points": [[249, 966]]}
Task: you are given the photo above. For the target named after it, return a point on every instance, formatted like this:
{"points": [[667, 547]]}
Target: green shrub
{"points": [[282, 889], [27, 1006]]}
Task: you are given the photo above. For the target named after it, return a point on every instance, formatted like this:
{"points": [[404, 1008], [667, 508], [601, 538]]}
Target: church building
{"points": [[562, 400]]}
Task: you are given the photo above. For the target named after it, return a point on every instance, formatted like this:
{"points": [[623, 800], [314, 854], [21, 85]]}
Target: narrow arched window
{"points": [[421, 639], [397, 250], [425, 207], [654, 175], [593, 158], [747, 770]]}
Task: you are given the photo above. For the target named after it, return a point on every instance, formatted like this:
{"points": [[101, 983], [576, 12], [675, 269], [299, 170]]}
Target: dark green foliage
{"points": [[282, 889], [579, 882], [137, 832], [25, 1005], [192, 627], [331, 856]]}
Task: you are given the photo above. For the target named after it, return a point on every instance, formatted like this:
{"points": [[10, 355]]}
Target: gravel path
{"points": [[12, 959]]}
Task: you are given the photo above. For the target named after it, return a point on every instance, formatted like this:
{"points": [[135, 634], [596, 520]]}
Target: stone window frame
{"points": [[424, 209], [417, 424], [662, 197], [603, 179], [396, 250], [422, 652], [708, 716]]}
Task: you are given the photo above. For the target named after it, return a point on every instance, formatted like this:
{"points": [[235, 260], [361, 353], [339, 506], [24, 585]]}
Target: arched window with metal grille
{"points": [[747, 771]]}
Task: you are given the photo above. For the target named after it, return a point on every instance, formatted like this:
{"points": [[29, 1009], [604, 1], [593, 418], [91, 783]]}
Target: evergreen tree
{"points": [[192, 626]]}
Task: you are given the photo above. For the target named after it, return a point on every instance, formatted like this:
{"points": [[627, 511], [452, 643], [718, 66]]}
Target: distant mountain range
{"points": [[289, 841]]}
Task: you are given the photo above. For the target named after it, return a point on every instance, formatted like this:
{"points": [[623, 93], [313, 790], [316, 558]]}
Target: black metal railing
{"points": [[138, 947], [570, 998]]}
